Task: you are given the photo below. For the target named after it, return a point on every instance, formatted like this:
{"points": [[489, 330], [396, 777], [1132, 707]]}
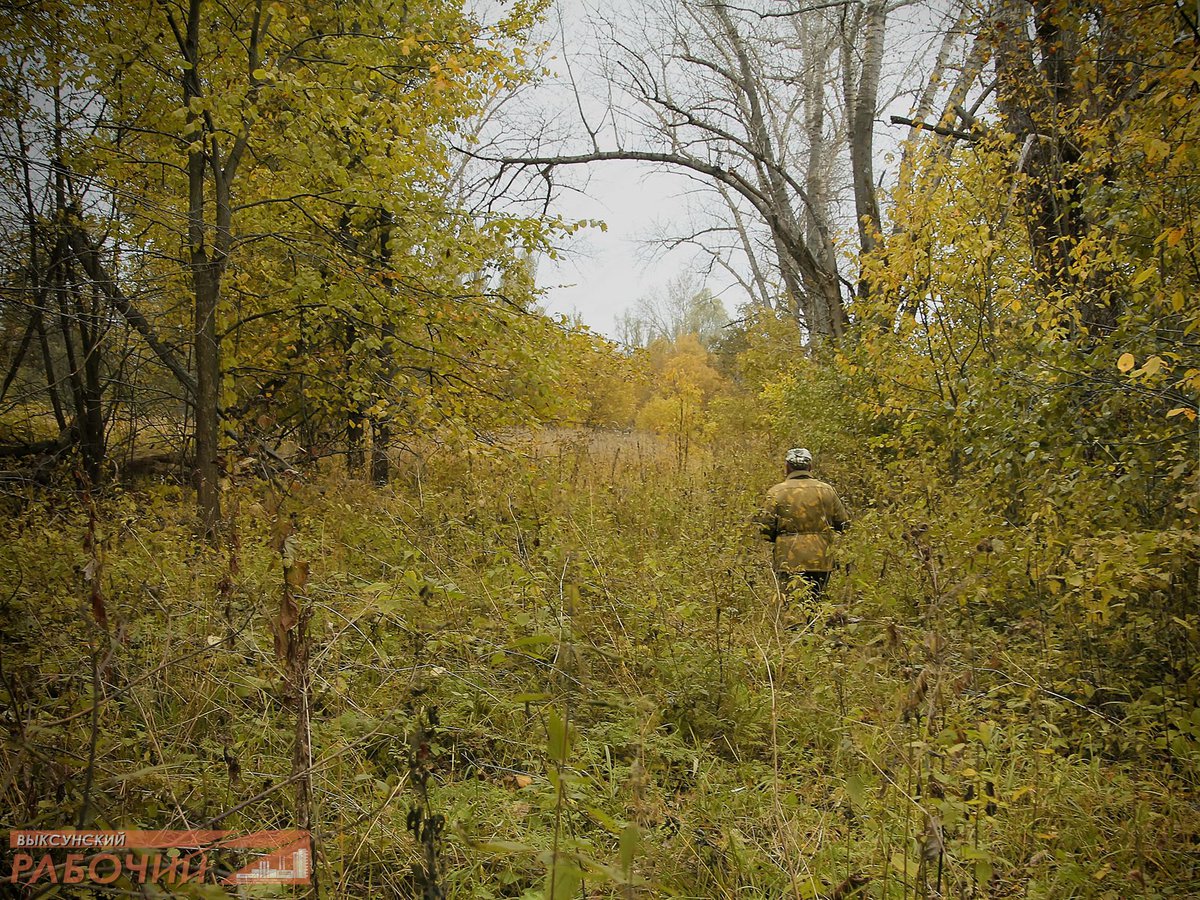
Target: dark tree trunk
{"points": [[381, 430], [76, 322], [1036, 98], [60, 417], [206, 286], [381, 437], [83, 375], [206, 268], [91, 414], [355, 454]]}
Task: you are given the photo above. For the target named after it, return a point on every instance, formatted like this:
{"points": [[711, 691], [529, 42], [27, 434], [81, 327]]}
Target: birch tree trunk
{"points": [[862, 97]]}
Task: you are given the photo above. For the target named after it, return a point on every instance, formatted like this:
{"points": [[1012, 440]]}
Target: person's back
{"points": [[800, 516]]}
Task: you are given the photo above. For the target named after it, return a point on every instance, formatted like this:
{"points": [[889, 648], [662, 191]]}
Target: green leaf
{"points": [[504, 847], [608, 822], [532, 697], [563, 879], [983, 871], [904, 865], [558, 737], [630, 840], [856, 790]]}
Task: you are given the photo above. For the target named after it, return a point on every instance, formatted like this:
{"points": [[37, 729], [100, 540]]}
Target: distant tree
{"points": [[683, 306], [683, 381]]}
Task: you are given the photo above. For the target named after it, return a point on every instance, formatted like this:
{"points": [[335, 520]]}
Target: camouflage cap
{"points": [[798, 456]]}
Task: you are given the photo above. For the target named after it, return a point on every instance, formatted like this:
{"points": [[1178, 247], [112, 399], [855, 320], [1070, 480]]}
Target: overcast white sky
{"points": [[602, 273]]}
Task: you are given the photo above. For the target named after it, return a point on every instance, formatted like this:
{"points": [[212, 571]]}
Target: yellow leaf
{"points": [[1153, 365], [1126, 362], [1175, 235], [1183, 411], [1143, 275]]}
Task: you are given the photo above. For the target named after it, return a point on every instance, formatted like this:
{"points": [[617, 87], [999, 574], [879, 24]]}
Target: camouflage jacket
{"points": [[800, 516]]}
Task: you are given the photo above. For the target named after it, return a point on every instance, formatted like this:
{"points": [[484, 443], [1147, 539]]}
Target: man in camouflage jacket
{"points": [[800, 517]]}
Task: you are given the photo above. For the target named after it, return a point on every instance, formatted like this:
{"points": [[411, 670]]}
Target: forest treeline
{"points": [[316, 520]]}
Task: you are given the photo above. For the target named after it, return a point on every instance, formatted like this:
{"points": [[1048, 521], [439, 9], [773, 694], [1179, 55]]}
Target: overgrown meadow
{"points": [[571, 656]]}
